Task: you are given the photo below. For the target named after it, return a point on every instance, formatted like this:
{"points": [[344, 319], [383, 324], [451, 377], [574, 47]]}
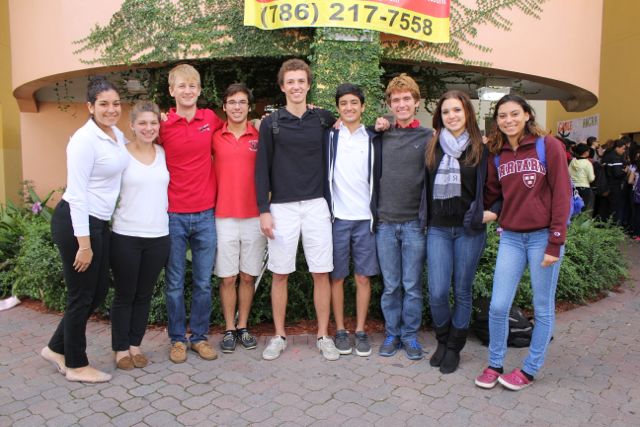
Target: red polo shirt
{"points": [[234, 163], [187, 145]]}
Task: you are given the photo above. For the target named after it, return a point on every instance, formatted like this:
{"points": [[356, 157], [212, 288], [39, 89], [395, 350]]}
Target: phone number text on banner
{"points": [[426, 20]]}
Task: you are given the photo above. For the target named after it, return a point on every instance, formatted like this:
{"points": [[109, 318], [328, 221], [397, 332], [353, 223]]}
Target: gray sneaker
{"points": [[343, 343], [413, 349], [228, 343], [247, 340], [327, 348], [363, 347], [276, 346], [390, 346]]}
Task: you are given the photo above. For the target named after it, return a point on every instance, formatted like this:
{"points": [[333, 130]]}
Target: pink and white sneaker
{"points": [[515, 380], [488, 379]]}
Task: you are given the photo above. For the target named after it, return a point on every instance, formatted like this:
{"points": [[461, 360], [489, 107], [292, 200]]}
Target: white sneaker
{"points": [[328, 348], [276, 346]]}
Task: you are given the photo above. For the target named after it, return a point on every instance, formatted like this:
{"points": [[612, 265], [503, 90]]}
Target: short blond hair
{"points": [[402, 83], [186, 71]]}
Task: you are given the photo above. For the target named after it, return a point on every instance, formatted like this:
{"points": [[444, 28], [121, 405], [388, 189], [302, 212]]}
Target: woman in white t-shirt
{"points": [[140, 238]]}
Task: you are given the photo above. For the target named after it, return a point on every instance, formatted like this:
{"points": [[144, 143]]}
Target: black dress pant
{"points": [[136, 263], [86, 290]]}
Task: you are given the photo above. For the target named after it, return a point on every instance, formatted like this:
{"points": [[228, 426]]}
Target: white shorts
{"points": [[241, 246], [312, 219]]}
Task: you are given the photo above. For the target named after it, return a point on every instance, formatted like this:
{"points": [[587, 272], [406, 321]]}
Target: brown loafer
{"points": [[126, 363], [204, 350], [178, 352], [140, 360]]}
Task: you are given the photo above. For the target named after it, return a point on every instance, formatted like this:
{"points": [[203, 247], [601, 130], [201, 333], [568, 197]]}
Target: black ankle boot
{"points": [[456, 342], [442, 335]]}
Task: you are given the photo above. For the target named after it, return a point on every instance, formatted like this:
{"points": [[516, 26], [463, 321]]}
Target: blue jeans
{"points": [[516, 251], [197, 230], [452, 253], [401, 255]]}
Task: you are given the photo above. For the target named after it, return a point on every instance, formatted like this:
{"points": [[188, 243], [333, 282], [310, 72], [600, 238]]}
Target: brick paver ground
{"points": [[591, 377]]}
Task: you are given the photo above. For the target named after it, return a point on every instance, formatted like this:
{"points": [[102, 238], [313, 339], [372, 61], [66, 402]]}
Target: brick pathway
{"points": [[590, 378]]}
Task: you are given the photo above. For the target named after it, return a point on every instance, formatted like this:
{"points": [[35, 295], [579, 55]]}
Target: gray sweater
{"points": [[402, 173]]}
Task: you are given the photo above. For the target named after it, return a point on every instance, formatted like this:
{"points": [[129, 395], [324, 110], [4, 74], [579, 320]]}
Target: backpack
{"points": [[520, 327], [576, 204], [600, 186]]}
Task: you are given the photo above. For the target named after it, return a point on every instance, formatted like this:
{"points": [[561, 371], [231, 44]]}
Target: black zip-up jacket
{"points": [[614, 167]]}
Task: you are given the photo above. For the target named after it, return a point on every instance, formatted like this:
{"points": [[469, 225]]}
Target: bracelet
{"points": [[84, 249]]}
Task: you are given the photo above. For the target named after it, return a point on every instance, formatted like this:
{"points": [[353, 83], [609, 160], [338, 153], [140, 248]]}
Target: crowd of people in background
{"points": [[605, 175]]}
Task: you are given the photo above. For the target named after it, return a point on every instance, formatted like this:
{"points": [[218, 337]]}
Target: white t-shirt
{"points": [[94, 168], [351, 196], [143, 204]]}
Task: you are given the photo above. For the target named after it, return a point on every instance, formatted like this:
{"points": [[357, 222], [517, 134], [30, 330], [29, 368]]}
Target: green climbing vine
{"points": [[160, 31], [362, 67]]}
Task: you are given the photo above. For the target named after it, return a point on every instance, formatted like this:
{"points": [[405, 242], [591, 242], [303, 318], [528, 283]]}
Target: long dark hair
{"points": [[497, 139], [471, 125], [96, 86]]}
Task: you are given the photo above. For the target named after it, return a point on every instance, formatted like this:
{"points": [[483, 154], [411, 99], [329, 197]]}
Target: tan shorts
{"points": [[241, 246], [311, 219]]}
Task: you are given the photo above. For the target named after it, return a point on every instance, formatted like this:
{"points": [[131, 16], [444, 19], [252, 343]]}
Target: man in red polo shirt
{"points": [[241, 245], [186, 136]]}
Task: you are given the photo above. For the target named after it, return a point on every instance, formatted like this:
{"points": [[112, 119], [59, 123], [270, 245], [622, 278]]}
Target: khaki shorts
{"points": [[241, 246], [311, 219]]}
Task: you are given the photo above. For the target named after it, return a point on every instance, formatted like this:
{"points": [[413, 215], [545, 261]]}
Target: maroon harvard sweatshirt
{"points": [[534, 196]]}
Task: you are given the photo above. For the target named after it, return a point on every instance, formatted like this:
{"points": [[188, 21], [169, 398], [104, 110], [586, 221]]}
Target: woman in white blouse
{"points": [[140, 238], [96, 157]]}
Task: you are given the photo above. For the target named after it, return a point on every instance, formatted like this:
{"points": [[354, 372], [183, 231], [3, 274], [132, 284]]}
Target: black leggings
{"points": [[85, 291], [136, 263]]}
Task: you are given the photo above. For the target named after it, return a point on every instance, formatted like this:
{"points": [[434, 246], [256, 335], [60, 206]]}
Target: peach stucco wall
{"points": [[42, 36], [563, 45]]}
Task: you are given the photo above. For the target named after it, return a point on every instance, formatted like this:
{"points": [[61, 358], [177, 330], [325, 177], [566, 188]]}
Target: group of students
{"points": [[606, 177], [391, 198]]}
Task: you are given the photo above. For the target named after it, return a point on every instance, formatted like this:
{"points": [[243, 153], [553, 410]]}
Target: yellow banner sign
{"points": [[426, 20]]}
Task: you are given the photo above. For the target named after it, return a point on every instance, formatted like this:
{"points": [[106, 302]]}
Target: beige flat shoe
{"points": [[55, 358], [87, 374]]}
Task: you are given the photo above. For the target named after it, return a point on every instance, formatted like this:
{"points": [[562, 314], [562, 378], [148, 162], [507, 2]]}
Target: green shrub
{"points": [[12, 220], [593, 262], [37, 269]]}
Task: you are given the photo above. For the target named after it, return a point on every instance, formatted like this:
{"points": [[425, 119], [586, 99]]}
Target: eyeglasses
{"points": [[240, 103]]}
